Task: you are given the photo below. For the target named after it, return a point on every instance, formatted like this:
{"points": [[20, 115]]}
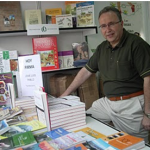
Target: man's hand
{"points": [[146, 122]]}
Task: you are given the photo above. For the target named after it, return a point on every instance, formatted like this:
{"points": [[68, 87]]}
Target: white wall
{"points": [[24, 44]]}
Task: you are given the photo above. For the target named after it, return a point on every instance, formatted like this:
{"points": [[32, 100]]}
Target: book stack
{"points": [[68, 114]]}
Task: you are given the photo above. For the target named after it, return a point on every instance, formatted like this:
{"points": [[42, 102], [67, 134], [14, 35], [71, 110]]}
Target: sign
{"points": [[42, 29], [30, 73]]}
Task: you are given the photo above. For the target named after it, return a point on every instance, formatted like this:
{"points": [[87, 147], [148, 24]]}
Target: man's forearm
{"points": [[79, 79], [147, 95]]}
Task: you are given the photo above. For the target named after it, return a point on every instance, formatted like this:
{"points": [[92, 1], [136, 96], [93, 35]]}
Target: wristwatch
{"points": [[148, 115]]}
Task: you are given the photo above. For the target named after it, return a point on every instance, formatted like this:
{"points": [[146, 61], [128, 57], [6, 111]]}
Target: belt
{"points": [[126, 96]]}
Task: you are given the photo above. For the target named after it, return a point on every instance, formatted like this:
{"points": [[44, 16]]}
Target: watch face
{"points": [[148, 115]]}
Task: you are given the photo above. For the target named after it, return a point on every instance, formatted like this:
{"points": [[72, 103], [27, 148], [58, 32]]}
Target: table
{"points": [[105, 128]]}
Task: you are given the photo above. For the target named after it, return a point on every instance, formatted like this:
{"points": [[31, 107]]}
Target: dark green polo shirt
{"points": [[122, 68]]}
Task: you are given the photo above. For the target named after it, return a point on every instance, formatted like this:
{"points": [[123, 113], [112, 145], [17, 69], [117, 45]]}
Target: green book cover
{"points": [[23, 139]]}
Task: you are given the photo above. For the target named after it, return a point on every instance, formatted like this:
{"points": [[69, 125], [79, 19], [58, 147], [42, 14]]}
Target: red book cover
{"points": [[47, 48]]}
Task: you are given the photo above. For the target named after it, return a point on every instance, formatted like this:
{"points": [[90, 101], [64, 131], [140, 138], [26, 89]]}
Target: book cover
{"points": [[5, 99], [10, 16], [51, 15], [67, 141], [22, 127], [4, 127], [122, 140], [85, 14], [42, 108], [4, 61], [19, 140], [70, 7], [33, 17], [47, 48], [92, 132], [56, 133], [78, 147], [23, 139], [99, 144]]}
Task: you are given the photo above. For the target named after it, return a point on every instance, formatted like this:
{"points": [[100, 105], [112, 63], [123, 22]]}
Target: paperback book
{"points": [[5, 98], [124, 141], [4, 127], [47, 48], [33, 17], [10, 16]]}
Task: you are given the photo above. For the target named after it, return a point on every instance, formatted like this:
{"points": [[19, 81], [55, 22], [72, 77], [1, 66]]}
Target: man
{"points": [[124, 64]]}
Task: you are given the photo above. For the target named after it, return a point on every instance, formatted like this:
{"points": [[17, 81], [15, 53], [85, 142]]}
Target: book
{"points": [[10, 16], [15, 111], [56, 133], [124, 141], [92, 132], [80, 51], [43, 145], [42, 137], [16, 119], [85, 14], [22, 127], [19, 140], [4, 61], [70, 7], [99, 144], [11, 91], [47, 48], [67, 141], [42, 108], [30, 73], [33, 17], [78, 147], [5, 99], [51, 13], [4, 112], [4, 127]]}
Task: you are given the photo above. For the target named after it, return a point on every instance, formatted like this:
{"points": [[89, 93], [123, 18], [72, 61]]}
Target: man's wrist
{"points": [[147, 115]]}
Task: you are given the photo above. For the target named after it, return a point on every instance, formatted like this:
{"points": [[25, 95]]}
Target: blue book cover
{"points": [[99, 144], [57, 133]]}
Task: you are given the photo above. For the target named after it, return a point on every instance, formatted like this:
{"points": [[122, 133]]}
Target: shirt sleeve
{"points": [[142, 59], [92, 64]]}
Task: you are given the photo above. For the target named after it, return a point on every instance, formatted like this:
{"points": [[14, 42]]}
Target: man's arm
{"points": [[82, 75], [146, 121]]}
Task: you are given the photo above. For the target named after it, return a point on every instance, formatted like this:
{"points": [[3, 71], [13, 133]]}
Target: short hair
{"points": [[113, 9]]}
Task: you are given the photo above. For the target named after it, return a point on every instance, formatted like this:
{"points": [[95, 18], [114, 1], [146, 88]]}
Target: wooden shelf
{"points": [[85, 30]]}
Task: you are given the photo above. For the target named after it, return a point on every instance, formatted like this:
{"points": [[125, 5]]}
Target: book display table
{"points": [[105, 128]]}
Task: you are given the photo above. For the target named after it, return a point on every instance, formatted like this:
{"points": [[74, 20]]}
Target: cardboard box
{"points": [[59, 83], [88, 91]]}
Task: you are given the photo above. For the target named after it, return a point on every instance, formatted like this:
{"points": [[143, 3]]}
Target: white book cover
{"points": [[42, 108], [30, 73]]}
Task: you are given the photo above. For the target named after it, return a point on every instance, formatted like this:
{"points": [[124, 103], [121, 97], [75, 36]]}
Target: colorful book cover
{"points": [[99, 144], [33, 125], [5, 99], [122, 140], [56, 133], [51, 15], [85, 14], [4, 127], [23, 139], [47, 48], [10, 16], [92, 133]]}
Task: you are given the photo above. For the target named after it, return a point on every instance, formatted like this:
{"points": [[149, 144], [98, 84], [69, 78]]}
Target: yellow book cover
{"points": [[53, 11], [22, 127], [92, 132], [33, 17]]}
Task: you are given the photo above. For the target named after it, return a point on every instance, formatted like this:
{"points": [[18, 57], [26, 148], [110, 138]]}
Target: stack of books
{"points": [[68, 114]]}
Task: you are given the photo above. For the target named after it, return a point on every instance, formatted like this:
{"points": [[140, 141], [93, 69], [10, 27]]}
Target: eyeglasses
{"points": [[111, 24]]}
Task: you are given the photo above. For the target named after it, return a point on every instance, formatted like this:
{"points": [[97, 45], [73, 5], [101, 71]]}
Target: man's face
{"points": [[112, 29]]}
